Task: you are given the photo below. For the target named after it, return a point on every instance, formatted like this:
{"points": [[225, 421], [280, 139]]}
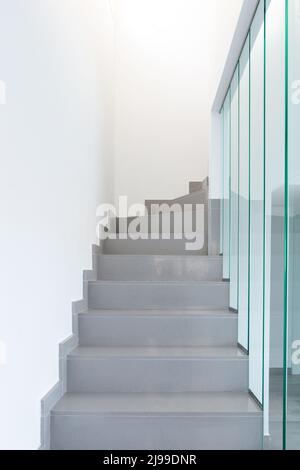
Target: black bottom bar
{"points": [[155, 459]]}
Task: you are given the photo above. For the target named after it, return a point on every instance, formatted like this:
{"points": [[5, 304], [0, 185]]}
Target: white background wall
{"points": [[56, 152], [170, 57], [56, 58]]}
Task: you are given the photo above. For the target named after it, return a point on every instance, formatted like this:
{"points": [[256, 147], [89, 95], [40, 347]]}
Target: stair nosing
{"points": [[254, 413], [193, 414], [155, 358], [167, 257], [159, 283], [117, 313], [95, 354]]}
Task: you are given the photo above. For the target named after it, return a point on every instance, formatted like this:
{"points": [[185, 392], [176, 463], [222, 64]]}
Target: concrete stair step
{"points": [[159, 268], [157, 366], [157, 328], [158, 421], [157, 295], [152, 247], [156, 369]]}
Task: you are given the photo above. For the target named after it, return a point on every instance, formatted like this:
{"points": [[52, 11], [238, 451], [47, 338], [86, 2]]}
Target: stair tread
{"points": [[176, 313], [204, 404], [170, 352], [161, 282], [163, 257]]}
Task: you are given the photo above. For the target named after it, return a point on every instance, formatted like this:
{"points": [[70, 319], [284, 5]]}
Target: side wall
{"points": [[170, 56], [56, 166]]}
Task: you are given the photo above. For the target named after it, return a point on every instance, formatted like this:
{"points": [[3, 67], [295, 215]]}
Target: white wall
{"points": [[170, 57], [56, 154], [56, 166]]}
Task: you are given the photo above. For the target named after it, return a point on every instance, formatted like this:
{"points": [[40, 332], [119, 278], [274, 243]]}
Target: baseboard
{"points": [[57, 392], [256, 399], [233, 310], [243, 349], [47, 404]]}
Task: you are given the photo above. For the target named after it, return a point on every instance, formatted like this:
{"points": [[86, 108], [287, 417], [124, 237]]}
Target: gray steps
{"points": [[156, 369], [157, 295], [149, 247], [157, 366], [159, 268], [157, 328], [195, 186], [156, 421]]}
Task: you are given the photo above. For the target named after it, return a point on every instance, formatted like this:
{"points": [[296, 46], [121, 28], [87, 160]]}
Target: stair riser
{"points": [[118, 375], [148, 268], [151, 247], [158, 296], [157, 330], [92, 432], [163, 223]]}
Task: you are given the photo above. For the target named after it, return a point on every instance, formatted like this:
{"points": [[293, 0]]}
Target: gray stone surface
{"points": [[157, 421], [158, 295], [141, 370], [159, 268], [157, 366], [157, 328]]}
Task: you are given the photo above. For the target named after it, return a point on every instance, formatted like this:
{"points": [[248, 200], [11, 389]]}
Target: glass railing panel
{"points": [[293, 320], [226, 201], [222, 186], [256, 278], [274, 221], [234, 191], [244, 197]]}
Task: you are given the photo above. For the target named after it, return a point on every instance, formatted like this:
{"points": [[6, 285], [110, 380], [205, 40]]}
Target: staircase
{"points": [[157, 366]]}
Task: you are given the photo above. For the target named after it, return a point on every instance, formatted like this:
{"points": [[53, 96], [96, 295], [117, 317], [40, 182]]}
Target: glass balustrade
{"points": [[226, 176], [274, 219], [292, 324], [260, 221], [244, 200]]}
